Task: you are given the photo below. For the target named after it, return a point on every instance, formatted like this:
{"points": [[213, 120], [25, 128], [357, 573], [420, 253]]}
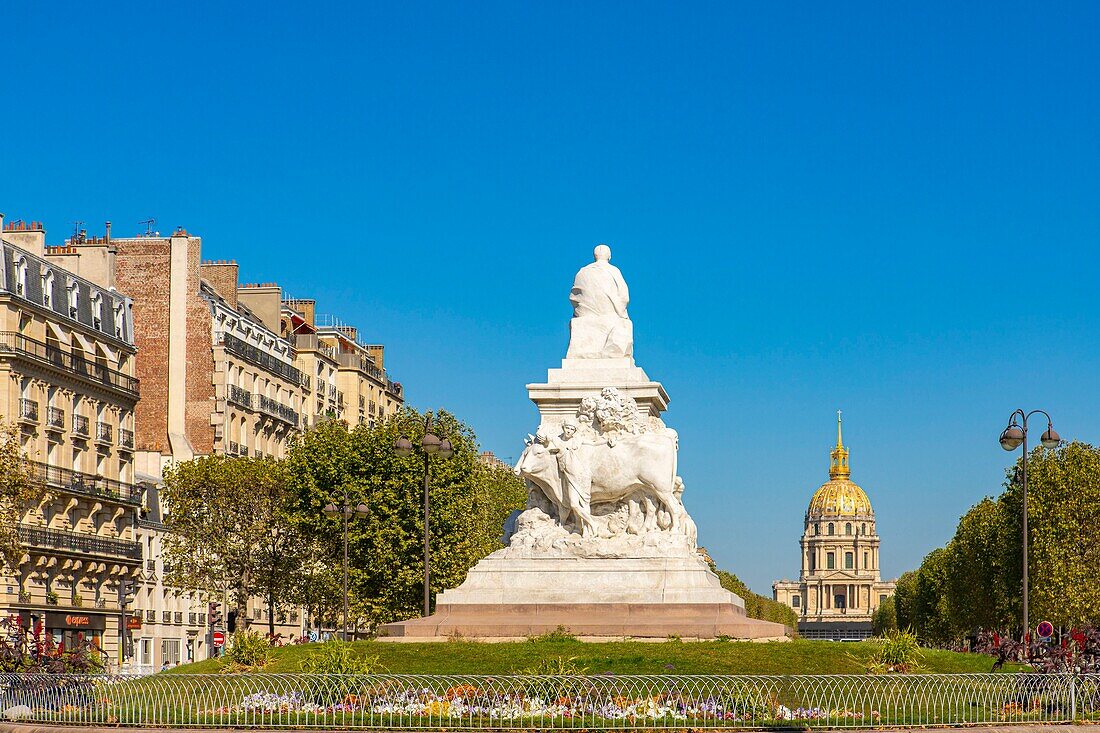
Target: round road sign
{"points": [[218, 637], [1045, 630]]}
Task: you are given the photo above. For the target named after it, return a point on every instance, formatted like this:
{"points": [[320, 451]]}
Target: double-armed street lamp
{"points": [[1012, 437], [347, 512], [430, 445]]}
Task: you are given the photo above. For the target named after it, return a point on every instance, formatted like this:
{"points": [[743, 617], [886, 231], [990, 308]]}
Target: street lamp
{"points": [[1012, 437], [347, 512], [430, 445]]}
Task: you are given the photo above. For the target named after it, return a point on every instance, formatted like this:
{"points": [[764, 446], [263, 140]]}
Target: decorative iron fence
{"points": [[411, 702]]}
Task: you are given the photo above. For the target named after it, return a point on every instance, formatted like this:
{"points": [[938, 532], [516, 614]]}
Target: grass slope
{"points": [[626, 657]]}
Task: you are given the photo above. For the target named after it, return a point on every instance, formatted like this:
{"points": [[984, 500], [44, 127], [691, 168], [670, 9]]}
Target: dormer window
{"points": [[47, 289], [21, 277], [74, 300], [97, 310], [120, 320]]}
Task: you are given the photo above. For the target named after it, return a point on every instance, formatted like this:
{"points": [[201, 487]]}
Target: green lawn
{"points": [[625, 657]]}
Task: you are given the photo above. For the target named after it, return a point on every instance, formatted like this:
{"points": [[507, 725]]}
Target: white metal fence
{"points": [[525, 702]]}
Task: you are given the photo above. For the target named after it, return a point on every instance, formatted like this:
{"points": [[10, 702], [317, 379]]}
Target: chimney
{"points": [[107, 236]]}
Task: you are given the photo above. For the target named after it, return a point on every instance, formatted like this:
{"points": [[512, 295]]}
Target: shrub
{"points": [[338, 657], [249, 650], [898, 652]]}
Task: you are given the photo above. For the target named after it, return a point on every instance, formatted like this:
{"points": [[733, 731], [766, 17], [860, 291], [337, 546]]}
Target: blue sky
{"points": [[886, 208]]}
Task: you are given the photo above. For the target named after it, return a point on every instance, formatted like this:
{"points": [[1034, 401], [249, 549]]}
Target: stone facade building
{"points": [[67, 366], [839, 587]]}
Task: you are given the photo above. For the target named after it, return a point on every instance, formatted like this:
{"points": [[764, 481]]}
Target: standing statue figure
{"points": [[600, 328]]}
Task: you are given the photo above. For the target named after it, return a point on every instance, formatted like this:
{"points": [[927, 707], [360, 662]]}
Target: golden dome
{"points": [[839, 497]]}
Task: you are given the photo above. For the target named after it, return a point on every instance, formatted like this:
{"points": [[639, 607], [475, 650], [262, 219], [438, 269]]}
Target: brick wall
{"points": [[144, 273], [142, 269], [222, 275]]}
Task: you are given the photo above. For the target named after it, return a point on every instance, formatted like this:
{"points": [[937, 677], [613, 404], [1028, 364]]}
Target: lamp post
{"points": [[347, 512], [430, 445], [1012, 437]]}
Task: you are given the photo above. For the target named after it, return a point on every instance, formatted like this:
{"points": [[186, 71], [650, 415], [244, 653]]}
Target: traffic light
{"points": [[126, 590], [213, 615], [232, 625]]}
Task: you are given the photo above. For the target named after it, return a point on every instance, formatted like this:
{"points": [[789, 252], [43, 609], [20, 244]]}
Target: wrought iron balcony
{"points": [[259, 358], [104, 433], [240, 396], [277, 410], [28, 410], [19, 345], [234, 448], [80, 425], [126, 438], [74, 482], [55, 418], [40, 537]]}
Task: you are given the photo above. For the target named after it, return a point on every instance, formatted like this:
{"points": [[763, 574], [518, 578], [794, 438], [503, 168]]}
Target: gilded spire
{"points": [[838, 469]]}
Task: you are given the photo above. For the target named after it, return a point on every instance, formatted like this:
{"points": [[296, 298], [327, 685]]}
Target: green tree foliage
{"points": [[975, 582], [884, 620], [1064, 517], [758, 606], [469, 502], [17, 490], [229, 527]]}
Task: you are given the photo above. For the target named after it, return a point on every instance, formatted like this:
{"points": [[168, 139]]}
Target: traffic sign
{"points": [[1045, 630], [218, 637]]}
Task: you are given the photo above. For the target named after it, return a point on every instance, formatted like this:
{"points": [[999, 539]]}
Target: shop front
{"points": [[68, 627]]}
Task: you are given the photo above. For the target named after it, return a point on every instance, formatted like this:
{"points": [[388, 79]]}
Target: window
{"points": [[170, 651], [813, 558], [867, 564], [74, 300], [120, 320], [796, 601], [882, 598], [97, 310], [817, 528], [146, 652], [21, 276], [832, 530], [830, 561], [863, 528], [848, 528], [848, 560], [47, 288]]}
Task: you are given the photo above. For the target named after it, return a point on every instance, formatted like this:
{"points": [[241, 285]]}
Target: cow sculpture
{"points": [[643, 464]]}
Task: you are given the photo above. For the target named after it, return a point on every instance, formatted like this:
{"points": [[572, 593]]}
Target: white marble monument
{"points": [[605, 546]]}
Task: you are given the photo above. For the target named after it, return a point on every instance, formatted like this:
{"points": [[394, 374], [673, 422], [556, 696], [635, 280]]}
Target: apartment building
{"points": [[67, 360]]}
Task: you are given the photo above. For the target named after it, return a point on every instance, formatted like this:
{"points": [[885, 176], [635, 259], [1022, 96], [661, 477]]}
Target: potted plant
{"points": [[78, 600], [51, 598], [24, 596]]}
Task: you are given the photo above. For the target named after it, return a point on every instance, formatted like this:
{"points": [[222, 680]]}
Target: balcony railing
{"points": [[71, 541], [55, 418], [74, 482], [240, 396], [104, 433], [277, 410], [306, 382], [395, 388], [17, 343], [234, 448], [28, 410], [80, 425], [125, 438], [259, 358]]}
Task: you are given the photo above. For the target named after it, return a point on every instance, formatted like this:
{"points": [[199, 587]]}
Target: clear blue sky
{"points": [[888, 208]]}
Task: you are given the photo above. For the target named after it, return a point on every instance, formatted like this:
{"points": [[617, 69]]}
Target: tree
{"points": [[229, 528], [18, 488], [979, 588], [905, 605], [933, 621], [469, 502], [1064, 518], [885, 618]]}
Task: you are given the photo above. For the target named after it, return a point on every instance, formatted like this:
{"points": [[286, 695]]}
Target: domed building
{"points": [[840, 586]]}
